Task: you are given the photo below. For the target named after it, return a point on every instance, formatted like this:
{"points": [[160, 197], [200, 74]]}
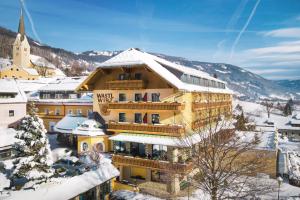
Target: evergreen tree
{"points": [[241, 122], [287, 109], [32, 150]]}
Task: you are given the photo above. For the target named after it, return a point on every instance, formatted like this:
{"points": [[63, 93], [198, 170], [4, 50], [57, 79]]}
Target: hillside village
{"points": [[133, 127]]}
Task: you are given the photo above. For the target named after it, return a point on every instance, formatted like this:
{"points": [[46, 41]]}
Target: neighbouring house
{"points": [[265, 150], [291, 128], [65, 128], [7, 140], [147, 103], [12, 103], [94, 184], [59, 98]]}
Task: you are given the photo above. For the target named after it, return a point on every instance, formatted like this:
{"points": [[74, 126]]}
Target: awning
{"points": [[157, 139]]}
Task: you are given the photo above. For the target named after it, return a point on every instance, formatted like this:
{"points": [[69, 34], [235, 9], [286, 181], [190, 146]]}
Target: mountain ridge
{"points": [[244, 83]]}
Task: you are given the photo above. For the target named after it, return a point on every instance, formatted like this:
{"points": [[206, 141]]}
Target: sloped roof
{"points": [[69, 123], [12, 87], [63, 84], [133, 57], [30, 71]]}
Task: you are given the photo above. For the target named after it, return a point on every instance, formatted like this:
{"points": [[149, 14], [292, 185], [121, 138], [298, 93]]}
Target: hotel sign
{"points": [[104, 97]]}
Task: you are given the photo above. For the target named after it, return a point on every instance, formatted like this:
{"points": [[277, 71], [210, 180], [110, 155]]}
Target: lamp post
{"points": [[279, 180]]}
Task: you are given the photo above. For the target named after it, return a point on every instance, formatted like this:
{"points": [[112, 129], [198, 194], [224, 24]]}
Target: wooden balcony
{"points": [[159, 129], [203, 122], [125, 84], [152, 164], [204, 105], [161, 106]]}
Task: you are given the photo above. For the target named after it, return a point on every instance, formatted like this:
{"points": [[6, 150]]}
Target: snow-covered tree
{"points": [[32, 150]]}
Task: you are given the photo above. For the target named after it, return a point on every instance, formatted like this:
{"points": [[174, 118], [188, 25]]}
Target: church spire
{"points": [[21, 28]]}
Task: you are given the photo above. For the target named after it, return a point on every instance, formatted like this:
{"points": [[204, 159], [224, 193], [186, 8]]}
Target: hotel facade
{"points": [[148, 104]]}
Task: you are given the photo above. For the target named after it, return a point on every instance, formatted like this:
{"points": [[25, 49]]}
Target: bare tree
{"points": [[223, 162], [269, 106]]}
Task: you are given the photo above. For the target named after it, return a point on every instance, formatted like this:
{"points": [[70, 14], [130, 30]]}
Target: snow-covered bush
{"points": [[32, 150]]}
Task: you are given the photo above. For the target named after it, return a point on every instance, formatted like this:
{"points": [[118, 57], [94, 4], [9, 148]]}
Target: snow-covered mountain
{"points": [[245, 84]]}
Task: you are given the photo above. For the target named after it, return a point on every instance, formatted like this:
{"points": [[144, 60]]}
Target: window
{"points": [[159, 152], [46, 111], [89, 112], [155, 97], [70, 111], [137, 149], [17, 69], [119, 146], [72, 96], [138, 97], [122, 97], [57, 111], [84, 146], [46, 96], [124, 76], [155, 118], [11, 69], [11, 113], [138, 76], [138, 117], [122, 117], [58, 96], [79, 112]]}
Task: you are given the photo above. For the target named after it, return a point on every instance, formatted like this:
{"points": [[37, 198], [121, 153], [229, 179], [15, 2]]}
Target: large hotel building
{"points": [[146, 104]]}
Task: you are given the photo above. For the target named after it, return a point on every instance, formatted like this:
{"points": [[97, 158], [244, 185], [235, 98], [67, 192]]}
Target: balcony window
{"points": [[138, 97], [137, 149], [58, 96], [57, 111], [79, 112], [122, 117], [46, 111], [138, 117], [122, 97], [72, 96], [138, 76], [159, 152], [155, 118], [124, 76], [119, 147], [155, 97], [46, 96]]}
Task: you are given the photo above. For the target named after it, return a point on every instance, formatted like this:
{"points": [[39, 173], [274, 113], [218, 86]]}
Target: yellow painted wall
{"points": [[92, 140], [137, 171], [17, 72], [52, 117]]}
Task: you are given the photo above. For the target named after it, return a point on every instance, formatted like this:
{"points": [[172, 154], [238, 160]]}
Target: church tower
{"points": [[21, 48]]}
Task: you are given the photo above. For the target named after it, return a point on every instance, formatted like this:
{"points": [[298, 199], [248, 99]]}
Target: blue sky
{"points": [[261, 36]]}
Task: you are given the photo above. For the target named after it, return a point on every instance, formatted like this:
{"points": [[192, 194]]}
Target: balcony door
{"points": [[137, 149]]}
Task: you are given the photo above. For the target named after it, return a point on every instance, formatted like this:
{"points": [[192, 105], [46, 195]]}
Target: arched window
{"points": [[99, 147]]}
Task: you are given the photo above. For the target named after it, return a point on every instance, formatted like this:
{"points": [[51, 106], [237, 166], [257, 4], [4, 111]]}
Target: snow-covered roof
{"points": [[68, 188], [133, 57], [266, 139], [7, 137], [69, 123], [89, 127], [63, 84], [297, 116], [30, 71], [11, 86]]}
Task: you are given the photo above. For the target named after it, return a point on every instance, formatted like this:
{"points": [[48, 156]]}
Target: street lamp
{"points": [[279, 180]]}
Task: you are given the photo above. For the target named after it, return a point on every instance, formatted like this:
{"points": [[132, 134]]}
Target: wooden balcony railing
{"points": [[152, 164], [125, 84], [159, 129], [203, 122], [204, 105], [172, 106]]}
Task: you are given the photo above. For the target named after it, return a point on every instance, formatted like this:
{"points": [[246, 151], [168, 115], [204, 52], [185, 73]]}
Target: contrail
{"points": [[31, 21], [243, 29]]}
